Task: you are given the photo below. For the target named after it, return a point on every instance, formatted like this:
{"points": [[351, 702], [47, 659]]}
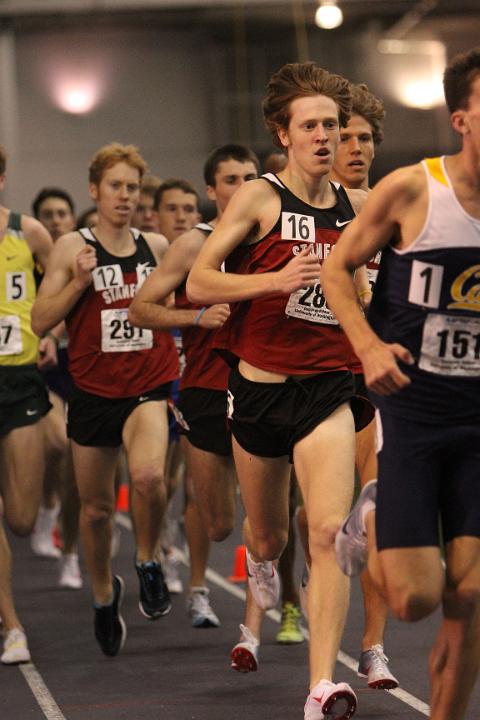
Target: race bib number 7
{"points": [[10, 335], [118, 335]]}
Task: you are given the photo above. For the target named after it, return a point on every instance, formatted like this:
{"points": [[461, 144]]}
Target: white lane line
{"points": [[237, 592], [40, 692]]}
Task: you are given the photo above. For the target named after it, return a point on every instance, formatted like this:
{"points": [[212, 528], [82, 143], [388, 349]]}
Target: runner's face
{"points": [[55, 214], [230, 174], [117, 194], [177, 213], [144, 217], [355, 153], [312, 135]]}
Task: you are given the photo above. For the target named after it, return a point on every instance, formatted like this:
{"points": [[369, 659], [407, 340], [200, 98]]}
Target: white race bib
{"points": [[310, 304], [10, 335], [300, 228], [107, 276], [118, 335], [451, 345]]}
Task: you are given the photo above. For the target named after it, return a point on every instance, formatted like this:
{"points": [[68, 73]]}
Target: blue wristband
{"points": [[199, 315]]}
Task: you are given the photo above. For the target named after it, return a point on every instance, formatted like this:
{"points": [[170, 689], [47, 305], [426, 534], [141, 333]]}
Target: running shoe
{"points": [[351, 539], [171, 574], [373, 666], [154, 596], [199, 609], [41, 539], [70, 576], [110, 629], [290, 631], [264, 582], [15, 648], [303, 591], [336, 701], [244, 655]]}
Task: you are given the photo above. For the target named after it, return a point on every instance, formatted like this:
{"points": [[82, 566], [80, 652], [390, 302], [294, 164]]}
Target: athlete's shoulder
{"points": [[357, 198], [157, 242], [406, 182]]}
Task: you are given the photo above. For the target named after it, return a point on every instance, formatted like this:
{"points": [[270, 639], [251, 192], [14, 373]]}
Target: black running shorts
{"points": [[426, 473], [268, 419], [97, 421], [206, 414], [23, 397]]}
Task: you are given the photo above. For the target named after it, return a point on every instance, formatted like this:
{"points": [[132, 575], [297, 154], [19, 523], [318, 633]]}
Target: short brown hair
{"points": [[3, 160], [365, 103], [174, 184], [296, 80], [110, 155], [459, 75]]}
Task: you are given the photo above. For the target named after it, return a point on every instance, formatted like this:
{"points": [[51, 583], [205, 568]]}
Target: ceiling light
{"points": [[328, 15]]}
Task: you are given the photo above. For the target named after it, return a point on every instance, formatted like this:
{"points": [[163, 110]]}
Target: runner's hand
{"points": [[381, 370], [214, 316], [301, 271], [86, 262]]}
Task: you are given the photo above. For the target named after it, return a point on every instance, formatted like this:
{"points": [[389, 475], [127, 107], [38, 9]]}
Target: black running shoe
{"points": [[110, 629], [154, 595]]}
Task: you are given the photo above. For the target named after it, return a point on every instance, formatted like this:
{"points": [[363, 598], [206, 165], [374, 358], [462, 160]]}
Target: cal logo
{"points": [[465, 291]]}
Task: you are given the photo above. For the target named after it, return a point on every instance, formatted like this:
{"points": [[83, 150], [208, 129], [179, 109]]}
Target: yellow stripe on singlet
{"points": [[436, 170]]}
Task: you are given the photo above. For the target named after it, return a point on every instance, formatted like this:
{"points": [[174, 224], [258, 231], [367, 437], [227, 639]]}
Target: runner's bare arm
{"points": [[67, 276], [382, 216], [248, 212], [148, 308]]}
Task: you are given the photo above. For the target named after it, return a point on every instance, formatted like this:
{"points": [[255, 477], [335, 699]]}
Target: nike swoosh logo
{"points": [[11, 257], [341, 224], [32, 412], [142, 398]]}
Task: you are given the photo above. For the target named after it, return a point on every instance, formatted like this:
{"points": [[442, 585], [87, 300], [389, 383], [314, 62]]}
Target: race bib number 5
{"points": [[10, 335], [310, 304], [118, 335], [451, 345]]}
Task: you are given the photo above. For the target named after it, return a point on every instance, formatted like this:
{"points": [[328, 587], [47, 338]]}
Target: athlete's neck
{"points": [[313, 190], [118, 240]]}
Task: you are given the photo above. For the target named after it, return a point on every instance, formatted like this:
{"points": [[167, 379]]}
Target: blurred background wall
{"points": [[178, 78]]}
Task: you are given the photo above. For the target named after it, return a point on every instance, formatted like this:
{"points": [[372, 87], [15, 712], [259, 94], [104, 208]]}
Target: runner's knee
{"points": [[97, 512], [147, 480], [412, 603]]}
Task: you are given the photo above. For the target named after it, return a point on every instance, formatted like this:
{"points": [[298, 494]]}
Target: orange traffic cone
{"points": [[239, 573], [122, 498]]}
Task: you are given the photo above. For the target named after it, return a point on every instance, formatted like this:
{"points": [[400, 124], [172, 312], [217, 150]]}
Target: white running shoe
{"points": [[170, 565], [351, 540], [70, 575], [373, 665], [15, 648], [199, 609], [335, 701], [244, 655], [41, 539], [264, 582]]}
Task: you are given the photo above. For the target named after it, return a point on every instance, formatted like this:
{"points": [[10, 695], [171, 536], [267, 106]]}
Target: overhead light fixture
{"points": [[328, 15]]}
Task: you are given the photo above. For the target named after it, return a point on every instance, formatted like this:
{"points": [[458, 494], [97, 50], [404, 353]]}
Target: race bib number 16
{"points": [[297, 227]]}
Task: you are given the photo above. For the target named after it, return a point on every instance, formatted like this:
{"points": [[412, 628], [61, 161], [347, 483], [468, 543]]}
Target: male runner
{"points": [[420, 354], [122, 380], [289, 396], [210, 483], [23, 399]]}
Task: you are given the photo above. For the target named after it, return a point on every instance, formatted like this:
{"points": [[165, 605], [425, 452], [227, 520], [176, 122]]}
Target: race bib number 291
{"points": [[118, 335]]}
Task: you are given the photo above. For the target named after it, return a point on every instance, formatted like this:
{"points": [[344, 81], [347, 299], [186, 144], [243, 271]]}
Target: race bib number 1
{"points": [[118, 335], [10, 335]]}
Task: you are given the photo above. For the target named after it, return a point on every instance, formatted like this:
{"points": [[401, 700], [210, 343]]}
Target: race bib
{"points": [[310, 304], [118, 335], [451, 346], [300, 228], [107, 276], [10, 335], [16, 286]]}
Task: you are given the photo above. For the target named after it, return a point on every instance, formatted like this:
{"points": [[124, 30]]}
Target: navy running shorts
{"points": [[428, 477]]}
